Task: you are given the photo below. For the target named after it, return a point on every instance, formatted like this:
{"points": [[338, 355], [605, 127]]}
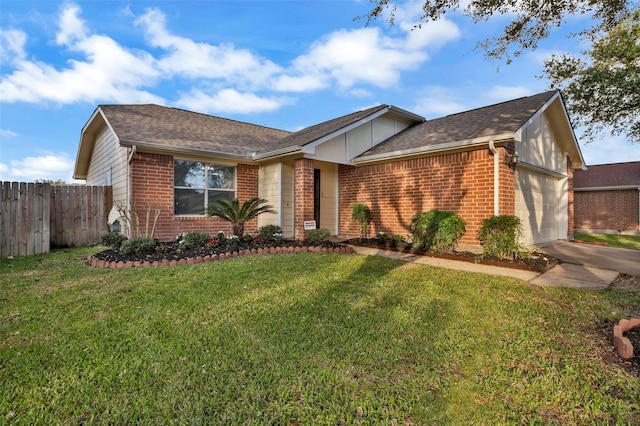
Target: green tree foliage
{"points": [[603, 88], [532, 21], [238, 215], [361, 213]]}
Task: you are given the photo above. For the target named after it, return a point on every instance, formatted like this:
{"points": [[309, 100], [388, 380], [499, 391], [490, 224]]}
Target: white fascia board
{"points": [[84, 134], [277, 153], [607, 188], [468, 143]]}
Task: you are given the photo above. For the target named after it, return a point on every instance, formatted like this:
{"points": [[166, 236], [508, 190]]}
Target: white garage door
{"points": [[542, 206]]}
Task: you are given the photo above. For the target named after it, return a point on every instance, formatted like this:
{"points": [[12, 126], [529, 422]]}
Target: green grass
{"points": [[620, 241], [307, 338]]}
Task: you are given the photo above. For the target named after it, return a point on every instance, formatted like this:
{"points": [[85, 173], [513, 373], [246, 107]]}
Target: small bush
{"points": [[361, 213], [317, 235], [500, 237], [437, 230], [138, 246], [268, 232], [192, 240], [113, 240], [450, 230], [382, 237]]}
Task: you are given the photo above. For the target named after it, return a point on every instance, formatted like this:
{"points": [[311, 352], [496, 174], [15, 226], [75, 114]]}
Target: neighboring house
{"points": [[607, 198], [515, 157]]}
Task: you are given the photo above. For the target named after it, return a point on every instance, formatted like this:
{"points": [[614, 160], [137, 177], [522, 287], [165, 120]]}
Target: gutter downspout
{"points": [[129, 160], [496, 178]]}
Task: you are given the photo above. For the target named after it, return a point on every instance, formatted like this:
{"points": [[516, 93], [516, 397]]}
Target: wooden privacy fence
{"points": [[37, 216]]}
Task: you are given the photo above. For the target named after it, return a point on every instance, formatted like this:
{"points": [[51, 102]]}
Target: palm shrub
{"points": [[437, 230], [238, 215], [500, 236], [361, 214]]}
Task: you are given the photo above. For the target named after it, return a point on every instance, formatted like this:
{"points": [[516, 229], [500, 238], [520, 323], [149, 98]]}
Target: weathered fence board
{"points": [[37, 216]]}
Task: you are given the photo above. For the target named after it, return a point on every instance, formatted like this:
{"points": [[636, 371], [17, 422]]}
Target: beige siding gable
{"points": [[539, 146], [346, 146], [109, 162]]}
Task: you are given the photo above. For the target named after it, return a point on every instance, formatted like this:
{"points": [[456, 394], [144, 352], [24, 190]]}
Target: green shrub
{"points": [[361, 213], [316, 235], [500, 237], [113, 240], [138, 246], [191, 240], [270, 232], [436, 230], [450, 230]]}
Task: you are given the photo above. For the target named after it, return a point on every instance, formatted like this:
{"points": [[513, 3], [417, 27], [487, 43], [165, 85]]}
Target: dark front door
{"points": [[316, 196]]}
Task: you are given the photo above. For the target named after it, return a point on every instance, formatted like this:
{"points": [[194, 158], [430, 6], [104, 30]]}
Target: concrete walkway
{"points": [[563, 275]]}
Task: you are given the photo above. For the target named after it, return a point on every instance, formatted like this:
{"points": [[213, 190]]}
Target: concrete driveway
{"points": [[609, 258]]}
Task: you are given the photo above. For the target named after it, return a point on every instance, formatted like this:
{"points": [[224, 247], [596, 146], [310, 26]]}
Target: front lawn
{"points": [[620, 241], [304, 339]]}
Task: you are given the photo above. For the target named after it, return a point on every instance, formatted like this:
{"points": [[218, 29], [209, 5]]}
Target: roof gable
{"points": [[494, 120]]}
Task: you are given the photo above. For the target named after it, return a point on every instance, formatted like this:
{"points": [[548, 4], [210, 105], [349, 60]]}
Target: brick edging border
{"points": [[623, 344], [97, 263]]}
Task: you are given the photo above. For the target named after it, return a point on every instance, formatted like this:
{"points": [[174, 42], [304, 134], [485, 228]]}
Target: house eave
{"points": [[140, 145], [449, 146], [277, 153]]}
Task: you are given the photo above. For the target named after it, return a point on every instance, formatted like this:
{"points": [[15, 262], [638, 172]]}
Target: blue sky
{"points": [[282, 64]]}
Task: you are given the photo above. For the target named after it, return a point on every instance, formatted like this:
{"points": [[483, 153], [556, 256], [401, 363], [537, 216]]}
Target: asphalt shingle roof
{"points": [[174, 128], [317, 131], [603, 175], [505, 117]]}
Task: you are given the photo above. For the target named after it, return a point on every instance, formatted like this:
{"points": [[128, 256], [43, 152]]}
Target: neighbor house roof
{"points": [[608, 176], [504, 118]]}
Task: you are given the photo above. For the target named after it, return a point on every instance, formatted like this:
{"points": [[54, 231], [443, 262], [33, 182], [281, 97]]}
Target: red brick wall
{"points": [[395, 192], [303, 190], [607, 210], [152, 185]]}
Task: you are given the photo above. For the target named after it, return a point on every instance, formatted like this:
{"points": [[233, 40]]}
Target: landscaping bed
{"points": [[172, 251], [535, 261]]}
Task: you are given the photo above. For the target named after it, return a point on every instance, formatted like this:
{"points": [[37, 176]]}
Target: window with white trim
{"points": [[196, 185]]}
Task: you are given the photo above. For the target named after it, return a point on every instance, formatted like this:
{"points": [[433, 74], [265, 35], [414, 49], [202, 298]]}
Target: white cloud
{"points": [[12, 45], [201, 60], [109, 71], [6, 133], [47, 166], [72, 28], [505, 93], [435, 101], [303, 83], [359, 56], [230, 101]]}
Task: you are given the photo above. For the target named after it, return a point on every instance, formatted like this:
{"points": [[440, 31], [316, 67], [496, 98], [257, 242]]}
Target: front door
{"points": [[316, 196]]}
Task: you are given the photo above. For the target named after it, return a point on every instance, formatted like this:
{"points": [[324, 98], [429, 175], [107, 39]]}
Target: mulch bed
{"points": [[171, 251], [537, 262]]}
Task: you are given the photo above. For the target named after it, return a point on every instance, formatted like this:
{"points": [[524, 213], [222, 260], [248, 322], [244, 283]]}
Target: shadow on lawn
{"points": [[370, 342]]}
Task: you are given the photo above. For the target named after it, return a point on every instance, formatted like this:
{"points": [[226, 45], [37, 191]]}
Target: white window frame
{"points": [[204, 188]]}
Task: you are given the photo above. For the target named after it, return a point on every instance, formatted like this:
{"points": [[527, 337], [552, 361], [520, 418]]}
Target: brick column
{"points": [[303, 192]]}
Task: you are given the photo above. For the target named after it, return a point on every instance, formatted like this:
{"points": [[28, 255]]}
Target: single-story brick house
{"points": [[607, 198], [515, 157]]}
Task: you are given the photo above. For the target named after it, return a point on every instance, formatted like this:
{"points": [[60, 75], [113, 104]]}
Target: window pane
{"points": [[189, 201], [188, 173], [220, 195], [220, 177]]}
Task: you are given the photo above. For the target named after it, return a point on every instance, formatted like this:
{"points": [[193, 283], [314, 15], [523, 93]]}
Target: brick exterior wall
{"points": [[303, 190], [607, 210], [460, 182], [152, 186]]}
